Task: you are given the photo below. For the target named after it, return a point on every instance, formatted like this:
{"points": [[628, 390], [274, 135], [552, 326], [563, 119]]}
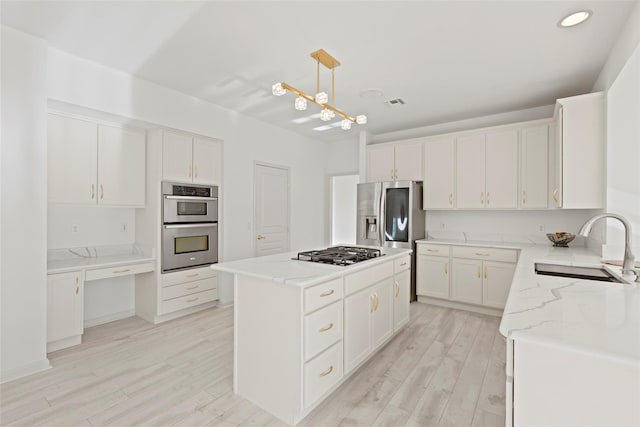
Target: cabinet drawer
{"points": [[124, 270], [402, 264], [176, 291], [322, 373], [189, 301], [321, 295], [321, 329], [433, 250], [190, 275], [493, 254], [360, 280]]}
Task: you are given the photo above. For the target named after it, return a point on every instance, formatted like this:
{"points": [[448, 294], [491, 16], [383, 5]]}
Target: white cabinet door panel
{"points": [[357, 333], [534, 149], [470, 172], [65, 294], [206, 159], [121, 166], [438, 174], [408, 162], [497, 282], [177, 157], [382, 325], [402, 289], [501, 170], [380, 163], [466, 281], [432, 276], [72, 152]]}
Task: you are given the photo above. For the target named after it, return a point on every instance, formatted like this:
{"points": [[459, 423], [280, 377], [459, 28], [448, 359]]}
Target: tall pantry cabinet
{"points": [[190, 159]]}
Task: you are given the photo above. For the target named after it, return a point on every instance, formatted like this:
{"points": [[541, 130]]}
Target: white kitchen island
{"points": [[302, 328]]}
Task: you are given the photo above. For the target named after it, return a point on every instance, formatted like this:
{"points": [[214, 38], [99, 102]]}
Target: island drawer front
{"points": [[492, 254], [176, 291], [432, 250], [123, 270], [402, 264], [169, 279], [187, 301], [362, 279], [321, 329], [322, 373], [321, 295]]}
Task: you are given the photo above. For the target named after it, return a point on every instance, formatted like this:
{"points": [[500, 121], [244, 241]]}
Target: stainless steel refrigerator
{"points": [[390, 214]]}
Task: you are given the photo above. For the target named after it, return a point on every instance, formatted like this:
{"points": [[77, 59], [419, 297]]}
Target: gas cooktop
{"points": [[340, 255]]}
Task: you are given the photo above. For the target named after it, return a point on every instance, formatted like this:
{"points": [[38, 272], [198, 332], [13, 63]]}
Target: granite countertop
{"points": [[585, 315], [85, 258], [282, 268]]}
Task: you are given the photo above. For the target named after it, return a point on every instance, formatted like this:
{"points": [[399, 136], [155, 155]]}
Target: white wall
{"points": [[80, 82], [344, 208], [23, 207], [342, 156]]}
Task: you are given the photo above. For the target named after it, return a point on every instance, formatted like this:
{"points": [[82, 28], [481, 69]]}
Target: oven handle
{"points": [[206, 199], [199, 225]]}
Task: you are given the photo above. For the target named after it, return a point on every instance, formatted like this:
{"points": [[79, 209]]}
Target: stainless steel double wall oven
{"points": [[189, 225]]}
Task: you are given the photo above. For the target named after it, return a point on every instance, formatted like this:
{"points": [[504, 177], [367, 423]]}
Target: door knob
{"points": [[260, 237]]}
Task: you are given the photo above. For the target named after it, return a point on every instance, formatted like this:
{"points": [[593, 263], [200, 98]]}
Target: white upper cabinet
{"points": [[501, 169], [438, 190], [534, 148], [123, 185], [394, 162], [578, 161], [186, 158], [91, 163], [72, 167], [487, 170], [470, 171]]}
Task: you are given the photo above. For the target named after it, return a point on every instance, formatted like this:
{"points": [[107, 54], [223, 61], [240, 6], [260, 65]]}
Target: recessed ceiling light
{"points": [[575, 18]]}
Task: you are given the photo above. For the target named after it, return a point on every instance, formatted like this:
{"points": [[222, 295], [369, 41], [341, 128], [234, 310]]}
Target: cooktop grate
{"points": [[340, 255]]}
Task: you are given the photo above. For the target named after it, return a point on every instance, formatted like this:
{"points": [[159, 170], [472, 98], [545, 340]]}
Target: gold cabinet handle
{"points": [[483, 254], [403, 264], [327, 293], [446, 268], [193, 287], [451, 199], [397, 289], [192, 299], [326, 328], [327, 372], [260, 237], [196, 171], [488, 198], [101, 192], [121, 271], [555, 195], [391, 173], [524, 197], [482, 198], [479, 268], [193, 275], [93, 191], [372, 303], [485, 271], [77, 285], [375, 296]]}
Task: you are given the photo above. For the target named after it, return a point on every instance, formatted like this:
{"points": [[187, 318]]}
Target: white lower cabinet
{"points": [[188, 288], [322, 373], [401, 299], [479, 276], [65, 310]]}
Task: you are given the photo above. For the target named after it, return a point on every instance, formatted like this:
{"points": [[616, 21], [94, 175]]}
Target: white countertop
{"points": [[281, 268], [585, 315], [66, 260]]}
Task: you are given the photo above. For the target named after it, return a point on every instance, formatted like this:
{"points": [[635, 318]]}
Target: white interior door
{"points": [[271, 209]]}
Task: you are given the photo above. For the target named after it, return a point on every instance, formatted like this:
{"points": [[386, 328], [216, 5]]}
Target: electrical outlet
{"points": [[442, 226], [541, 228], [75, 228], [123, 227]]}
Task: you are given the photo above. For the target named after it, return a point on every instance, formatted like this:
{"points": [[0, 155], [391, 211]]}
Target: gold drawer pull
{"points": [[433, 250], [397, 289], [326, 328], [483, 254], [193, 275], [403, 264], [193, 287], [327, 372], [192, 299], [121, 271], [327, 293]]}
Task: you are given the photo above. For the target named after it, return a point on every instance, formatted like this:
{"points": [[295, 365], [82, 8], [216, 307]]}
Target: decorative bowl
{"points": [[561, 239]]}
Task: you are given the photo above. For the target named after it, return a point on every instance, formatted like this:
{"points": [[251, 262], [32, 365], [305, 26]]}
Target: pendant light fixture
{"points": [[320, 98]]}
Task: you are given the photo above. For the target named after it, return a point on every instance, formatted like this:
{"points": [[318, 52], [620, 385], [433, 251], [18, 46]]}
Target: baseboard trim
{"points": [[183, 312], [23, 371], [461, 306], [109, 318]]}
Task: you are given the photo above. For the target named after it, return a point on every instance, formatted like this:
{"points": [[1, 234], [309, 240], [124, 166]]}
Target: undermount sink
{"points": [[587, 273]]}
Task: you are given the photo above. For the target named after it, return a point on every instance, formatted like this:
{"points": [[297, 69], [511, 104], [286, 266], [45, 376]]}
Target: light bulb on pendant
{"points": [[345, 124], [300, 104], [325, 115], [321, 98], [361, 119], [278, 90]]}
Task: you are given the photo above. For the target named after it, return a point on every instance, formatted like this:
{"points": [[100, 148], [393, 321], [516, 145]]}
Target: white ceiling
{"points": [[448, 60]]}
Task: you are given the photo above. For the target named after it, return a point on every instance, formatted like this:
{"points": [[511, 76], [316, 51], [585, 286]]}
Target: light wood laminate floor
{"points": [[445, 368]]}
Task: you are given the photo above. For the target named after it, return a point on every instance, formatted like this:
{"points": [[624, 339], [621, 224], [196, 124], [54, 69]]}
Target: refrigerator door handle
{"points": [[382, 219]]}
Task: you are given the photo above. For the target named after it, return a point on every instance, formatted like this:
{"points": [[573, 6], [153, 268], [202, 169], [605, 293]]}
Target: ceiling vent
{"points": [[395, 102]]}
